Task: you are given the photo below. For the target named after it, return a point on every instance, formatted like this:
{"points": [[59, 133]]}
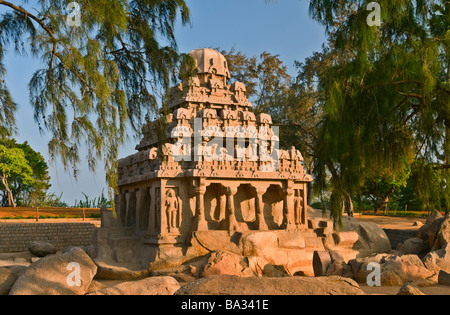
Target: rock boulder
{"points": [[444, 278], [260, 267], [394, 270], [432, 233], [233, 285], [111, 272], [226, 263], [438, 260], [321, 262], [372, 238], [443, 235], [293, 257], [8, 276], [409, 289], [42, 249], [68, 273], [149, 286], [412, 246], [433, 216]]}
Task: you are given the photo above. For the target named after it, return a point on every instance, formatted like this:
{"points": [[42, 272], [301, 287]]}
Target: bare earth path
{"points": [[397, 223]]}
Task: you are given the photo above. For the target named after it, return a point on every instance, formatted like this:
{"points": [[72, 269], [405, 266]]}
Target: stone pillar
{"points": [[122, 208], [132, 208], [152, 214], [261, 222], [298, 207], [201, 224], [305, 205], [223, 207], [140, 196], [191, 193], [129, 196], [231, 192], [162, 208], [139, 193]]}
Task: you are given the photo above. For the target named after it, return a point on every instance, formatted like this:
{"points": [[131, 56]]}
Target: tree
{"points": [[14, 164], [296, 105], [242, 69], [33, 193], [100, 75], [297, 109], [265, 76], [380, 187], [7, 105], [386, 96]]}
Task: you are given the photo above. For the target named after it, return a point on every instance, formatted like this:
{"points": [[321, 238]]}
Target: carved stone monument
{"points": [[215, 176]]}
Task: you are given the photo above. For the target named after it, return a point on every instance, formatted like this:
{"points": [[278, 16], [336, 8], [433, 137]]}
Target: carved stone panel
{"points": [[173, 209]]}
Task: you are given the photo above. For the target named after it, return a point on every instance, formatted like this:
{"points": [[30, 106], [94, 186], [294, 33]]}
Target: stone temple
{"points": [[215, 179]]}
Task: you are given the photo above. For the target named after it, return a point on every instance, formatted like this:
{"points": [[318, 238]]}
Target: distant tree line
{"points": [[25, 181]]}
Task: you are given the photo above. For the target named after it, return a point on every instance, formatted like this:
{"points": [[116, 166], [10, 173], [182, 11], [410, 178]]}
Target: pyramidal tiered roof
{"points": [[211, 131]]}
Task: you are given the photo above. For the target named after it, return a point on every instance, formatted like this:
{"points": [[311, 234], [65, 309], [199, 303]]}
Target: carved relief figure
{"points": [[298, 207], [172, 210]]}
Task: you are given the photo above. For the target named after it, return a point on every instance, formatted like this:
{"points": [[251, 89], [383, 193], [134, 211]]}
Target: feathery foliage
{"points": [[386, 97], [98, 78]]}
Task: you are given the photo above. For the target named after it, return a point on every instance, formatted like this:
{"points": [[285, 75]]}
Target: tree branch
{"points": [[313, 134], [410, 116], [28, 14], [412, 95], [442, 167], [74, 72], [418, 83], [400, 104], [52, 35]]}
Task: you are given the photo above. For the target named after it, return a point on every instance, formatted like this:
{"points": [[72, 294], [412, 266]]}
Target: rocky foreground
{"points": [[416, 263], [223, 274]]}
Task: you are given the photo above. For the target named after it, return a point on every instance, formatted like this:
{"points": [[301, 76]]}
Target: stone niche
{"points": [[191, 189]]}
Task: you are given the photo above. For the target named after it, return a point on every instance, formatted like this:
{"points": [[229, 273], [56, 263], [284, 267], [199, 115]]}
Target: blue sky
{"points": [[251, 26]]}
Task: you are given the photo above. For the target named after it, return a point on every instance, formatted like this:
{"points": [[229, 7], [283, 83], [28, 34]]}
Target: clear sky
{"points": [[251, 26]]}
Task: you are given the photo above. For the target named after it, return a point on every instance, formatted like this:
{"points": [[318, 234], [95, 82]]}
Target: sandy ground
{"points": [[399, 223]]}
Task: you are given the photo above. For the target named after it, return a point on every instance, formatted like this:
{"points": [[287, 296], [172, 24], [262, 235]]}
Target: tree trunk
{"points": [[447, 143], [386, 200], [349, 205], [309, 170], [308, 193], [11, 202]]}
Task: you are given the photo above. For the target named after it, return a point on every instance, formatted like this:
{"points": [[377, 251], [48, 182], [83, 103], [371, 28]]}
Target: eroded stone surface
{"points": [[53, 275], [233, 285], [148, 286]]}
